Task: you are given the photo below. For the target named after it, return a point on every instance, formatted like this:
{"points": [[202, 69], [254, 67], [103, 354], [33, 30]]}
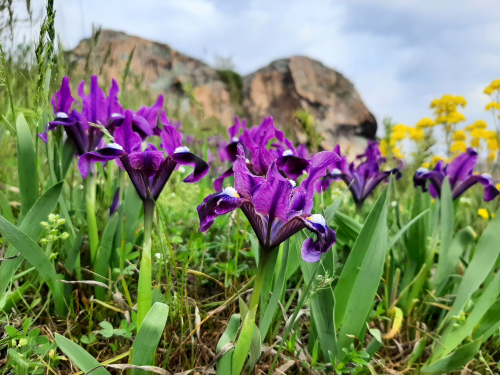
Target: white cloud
{"points": [[400, 54]]}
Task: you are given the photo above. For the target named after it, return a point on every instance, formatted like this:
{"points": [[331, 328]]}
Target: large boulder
{"points": [[300, 83], [158, 68]]}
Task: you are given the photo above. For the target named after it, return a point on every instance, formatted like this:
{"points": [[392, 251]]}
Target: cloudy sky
{"points": [[400, 54]]}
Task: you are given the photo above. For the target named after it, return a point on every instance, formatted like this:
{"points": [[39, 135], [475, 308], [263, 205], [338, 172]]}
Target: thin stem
{"points": [[144, 291], [91, 219], [260, 277]]}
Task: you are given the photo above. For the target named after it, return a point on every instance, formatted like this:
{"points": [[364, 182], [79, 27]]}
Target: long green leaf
{"points": [[360, 278], [447, 219], [102, 263], [454, 361], [244, 342], [37, 258], [322, 302], [6, 210], [266, 320], [489, 323], [26, 165], [224, 364], [79, 356], [402, 231], [149, 336], [133, 206], [485, 257], [31, 226]]}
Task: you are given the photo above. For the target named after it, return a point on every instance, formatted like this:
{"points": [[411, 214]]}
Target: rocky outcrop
{"points": [[279, 89], [300, 83], [158, 68]]}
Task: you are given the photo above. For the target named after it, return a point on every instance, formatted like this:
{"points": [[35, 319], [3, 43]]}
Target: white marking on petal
{"points": [[335, 172], [181, 149], [287, 153], [486, 175], [235, 139], [292, 182], [317, 219], [115, 145], [247, 161], [422, 170], [61, 115], [230, 192], [116, 115]]}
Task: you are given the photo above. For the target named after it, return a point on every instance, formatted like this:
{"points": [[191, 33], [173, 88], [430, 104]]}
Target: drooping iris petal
{"points": [[272, 199], [43, 136], [138, 179], [462, 166], [99, 156], [325, 238], [420, 178], [219, 181], [115, 205], [171, 139], [150, 114], [217, 204], [62, 100], [490, 190], [126, 137], [201, 167]]}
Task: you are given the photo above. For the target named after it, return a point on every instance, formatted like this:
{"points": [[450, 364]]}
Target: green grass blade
{"points": [[447, 219], [244, 342], [102, 263], [360, 278], [30, 226], [26, 165], [133, 206], [149, 336], [489, 323], [454, 361], [347, 226], [403, 230], [485, 257], [417, 235], [79, 356], [453, 336], [37, 258], [331, 210], [267, 318], [6, 210]]}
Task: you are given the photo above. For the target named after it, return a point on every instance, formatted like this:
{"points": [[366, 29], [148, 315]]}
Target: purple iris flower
{"points": [[460, 174], [150, 114], [361, 179], [274, 206], [149, 169], [258, 157]]}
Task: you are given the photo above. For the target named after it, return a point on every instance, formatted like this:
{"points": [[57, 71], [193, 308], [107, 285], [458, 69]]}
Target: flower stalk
{"points": [[144, 292], [90, 195], [264, 257]]}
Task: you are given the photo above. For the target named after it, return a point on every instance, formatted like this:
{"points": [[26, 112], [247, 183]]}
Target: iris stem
{"points": [[91, 219], [144, 291], [260, 277]]}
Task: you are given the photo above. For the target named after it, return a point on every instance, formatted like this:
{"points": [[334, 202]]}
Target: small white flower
{"points": [[61, 115], [287, 153], [158, 256], [317, 219], [235, 139], [394, 204], [230, 191], [181, 149]]}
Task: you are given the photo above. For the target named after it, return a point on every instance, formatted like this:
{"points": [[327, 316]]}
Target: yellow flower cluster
{"points": [[492, 87], [402, 131], [485, 214], [445, 110], [478, 131], [435, 159]]}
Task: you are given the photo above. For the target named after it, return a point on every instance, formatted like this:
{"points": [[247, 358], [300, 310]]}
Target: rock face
{"points": [[160, 68], [279, 89], [287, 85]]}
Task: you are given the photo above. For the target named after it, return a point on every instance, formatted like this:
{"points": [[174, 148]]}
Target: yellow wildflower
{"points": [[498, 186], [383, 147], [489, 134], [491, 157], [492, 144], [454, 118], [493, 86], [426, 165], [480, 124], [492, 105], [483, 212], [416, 134], [459, 135], [400, 128], [397, 153], [436, 159], [478, 133], [426, 122], [458, 147], [475, 142]]}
